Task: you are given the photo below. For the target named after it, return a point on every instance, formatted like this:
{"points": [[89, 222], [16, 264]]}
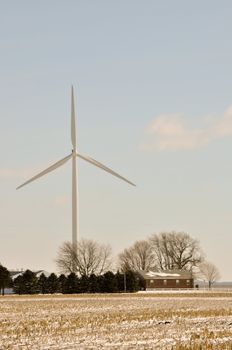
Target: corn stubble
{"points": [[117, 321]]}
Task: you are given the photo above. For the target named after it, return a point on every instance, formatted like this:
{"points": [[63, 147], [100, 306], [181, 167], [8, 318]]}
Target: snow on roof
{"points": [[38, 273], [162, 274], [179, 274], [15, 275]]}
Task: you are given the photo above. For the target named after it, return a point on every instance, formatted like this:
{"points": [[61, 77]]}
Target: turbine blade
{"points": [[102, 166], [48, 170], [73, 121]]}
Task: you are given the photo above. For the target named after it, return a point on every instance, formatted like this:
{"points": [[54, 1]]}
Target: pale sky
{"points": [[153, 88]]}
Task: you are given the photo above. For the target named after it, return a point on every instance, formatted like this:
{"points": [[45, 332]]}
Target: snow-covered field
{"points": [[117, 321]]}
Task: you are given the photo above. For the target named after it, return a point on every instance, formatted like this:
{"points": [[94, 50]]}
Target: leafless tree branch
{"points": [[88, 257]]}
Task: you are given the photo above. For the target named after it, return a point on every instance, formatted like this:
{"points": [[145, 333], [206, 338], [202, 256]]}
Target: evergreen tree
{"points": [[100, 281], [109, 283], [140, 281], [30, 282], [84, 284], [52, 284], [26, 283], [71, 285], [132, 282], [62, 280], [18, 285], [4, 279], [42, 284], [93, 284], [120, 281]]}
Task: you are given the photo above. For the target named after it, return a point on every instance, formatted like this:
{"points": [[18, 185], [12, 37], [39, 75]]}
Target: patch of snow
{"points": [[162, 274]]}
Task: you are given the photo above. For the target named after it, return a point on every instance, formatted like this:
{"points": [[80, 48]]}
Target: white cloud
{"points": [[171, 132]]}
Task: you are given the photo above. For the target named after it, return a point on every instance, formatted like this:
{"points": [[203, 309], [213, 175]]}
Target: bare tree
{"points": [[138, 257], [175, 250], [88, 257], [209, 272]]}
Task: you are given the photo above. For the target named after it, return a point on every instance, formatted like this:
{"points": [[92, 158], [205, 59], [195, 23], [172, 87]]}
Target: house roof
{"points": [[166, 274], [15, 274]]}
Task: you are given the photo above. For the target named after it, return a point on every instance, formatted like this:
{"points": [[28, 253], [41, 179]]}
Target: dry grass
{"points": [[181, 321]]}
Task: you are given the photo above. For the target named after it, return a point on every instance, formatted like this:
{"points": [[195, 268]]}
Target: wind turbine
{"points": [[73, 156]]}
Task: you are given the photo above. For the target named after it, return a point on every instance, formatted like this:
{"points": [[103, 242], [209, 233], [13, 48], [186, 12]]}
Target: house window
{"points": [[177, 281], [165, 282], [188, 282], [151, 281]]}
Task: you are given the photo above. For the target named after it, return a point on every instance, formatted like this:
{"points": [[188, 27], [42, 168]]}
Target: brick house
{"points": [[174, 279]]}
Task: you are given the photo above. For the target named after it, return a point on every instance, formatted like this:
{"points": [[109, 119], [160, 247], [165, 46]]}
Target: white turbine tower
{"points": [[74, 155]]}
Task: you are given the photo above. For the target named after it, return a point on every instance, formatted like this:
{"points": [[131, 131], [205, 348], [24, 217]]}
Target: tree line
{"points": [[163, 251], [109, 282], [87, 267]]}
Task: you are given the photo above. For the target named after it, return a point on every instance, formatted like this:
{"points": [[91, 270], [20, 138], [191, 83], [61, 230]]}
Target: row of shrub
{"points": [[28, 283]]}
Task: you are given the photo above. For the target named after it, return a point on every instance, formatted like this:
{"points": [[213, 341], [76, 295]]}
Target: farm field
{"points": [[161, 320]]}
